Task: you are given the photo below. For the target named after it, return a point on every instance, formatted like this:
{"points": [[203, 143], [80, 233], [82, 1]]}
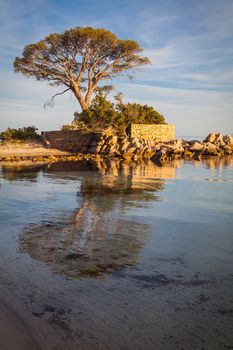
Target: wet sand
{"points": [[14, 333]]}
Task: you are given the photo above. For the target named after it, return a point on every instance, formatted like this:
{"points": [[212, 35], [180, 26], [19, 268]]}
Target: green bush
{"points": [[24, 133], [103, 114]]}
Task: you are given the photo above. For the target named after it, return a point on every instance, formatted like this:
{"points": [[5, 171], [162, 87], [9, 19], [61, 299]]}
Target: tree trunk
{"points": [[84, 104]]}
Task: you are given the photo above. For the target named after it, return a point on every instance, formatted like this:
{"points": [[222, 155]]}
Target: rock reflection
{"points": [[218, 162], [101, 235], [21, 171]]}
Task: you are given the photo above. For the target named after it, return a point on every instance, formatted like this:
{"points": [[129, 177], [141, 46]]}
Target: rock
{"points": [[103, 149], [128, 153], [136, 143], [188, 153], [112, 149], [157, 147], [210, 138], [197, 156], [178, 150], [148, 152], [112, 139], [124, 146], [219, 140], [175, 143], [227, 149], [196, 147], [159, 156], [228, 139], [210, 148]]}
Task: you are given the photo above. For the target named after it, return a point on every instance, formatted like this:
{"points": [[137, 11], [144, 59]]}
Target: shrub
{"points": [[103, 114], [24, 133]]}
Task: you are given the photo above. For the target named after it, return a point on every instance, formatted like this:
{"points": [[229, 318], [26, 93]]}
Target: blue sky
{"points": [[190, 44]]}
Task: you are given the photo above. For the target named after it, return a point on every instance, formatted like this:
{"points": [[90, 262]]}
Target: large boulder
{"points": [[174, 145], [228, 139], [227, 149], [196, 147], [219, 140], [210, 148], [210, 138]]}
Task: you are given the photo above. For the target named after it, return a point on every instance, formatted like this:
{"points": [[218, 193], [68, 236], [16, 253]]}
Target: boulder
{"points": [[124, 146], [103, 149], [219, 140], [112, 149], [197, 156], [227, 149], [128, 153], [210, 148], [228, 139], [210, 138], [159, 156], [148, 152], [157, 147], [196, 147], [178, 150], [112, 139]]}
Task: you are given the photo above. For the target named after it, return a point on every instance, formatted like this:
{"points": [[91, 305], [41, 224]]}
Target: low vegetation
{"points": [[21, 134], [103, 114]]}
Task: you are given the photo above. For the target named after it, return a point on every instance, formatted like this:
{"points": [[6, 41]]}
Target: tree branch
{"points": [[50, 102]]}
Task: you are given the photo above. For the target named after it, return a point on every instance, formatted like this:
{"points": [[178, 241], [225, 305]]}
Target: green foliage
{"points": [[99, 116], [24, 133], [103, 114]]}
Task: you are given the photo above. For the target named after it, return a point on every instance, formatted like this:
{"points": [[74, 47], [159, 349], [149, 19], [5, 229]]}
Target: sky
{"points": [[189, 43]]}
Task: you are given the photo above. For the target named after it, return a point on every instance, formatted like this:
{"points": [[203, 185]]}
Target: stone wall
{"points": [[141, 141], [157, 132], [70, 140]]}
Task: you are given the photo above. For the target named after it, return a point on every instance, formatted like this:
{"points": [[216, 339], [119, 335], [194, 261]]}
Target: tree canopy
{"points": [[79, 59]]}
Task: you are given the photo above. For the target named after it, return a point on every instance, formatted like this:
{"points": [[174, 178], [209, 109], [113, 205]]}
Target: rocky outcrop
{"points": [[110, 145], [135, 148], [213, 145]]}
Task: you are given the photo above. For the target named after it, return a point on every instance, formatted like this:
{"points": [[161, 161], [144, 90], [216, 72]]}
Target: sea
{"points": [[119, 255]]}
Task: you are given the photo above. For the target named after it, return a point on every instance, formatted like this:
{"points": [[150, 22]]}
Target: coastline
{"points": [[112, 146], [36, 152]]}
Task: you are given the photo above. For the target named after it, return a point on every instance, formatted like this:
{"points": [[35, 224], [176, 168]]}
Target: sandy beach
{"points": [[29, 149]]}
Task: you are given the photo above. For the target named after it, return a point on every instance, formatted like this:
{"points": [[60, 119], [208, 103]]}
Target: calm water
{"points": [[120, 256]]}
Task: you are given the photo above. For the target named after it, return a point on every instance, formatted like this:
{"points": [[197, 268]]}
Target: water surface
{"points": [[110, 255]]}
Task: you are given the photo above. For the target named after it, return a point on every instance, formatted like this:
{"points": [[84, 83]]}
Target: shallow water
{"points": [[120, 256]]}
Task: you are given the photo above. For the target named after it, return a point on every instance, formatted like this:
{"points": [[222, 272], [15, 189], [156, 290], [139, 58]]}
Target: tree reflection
{"points": [[103, 234]]}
